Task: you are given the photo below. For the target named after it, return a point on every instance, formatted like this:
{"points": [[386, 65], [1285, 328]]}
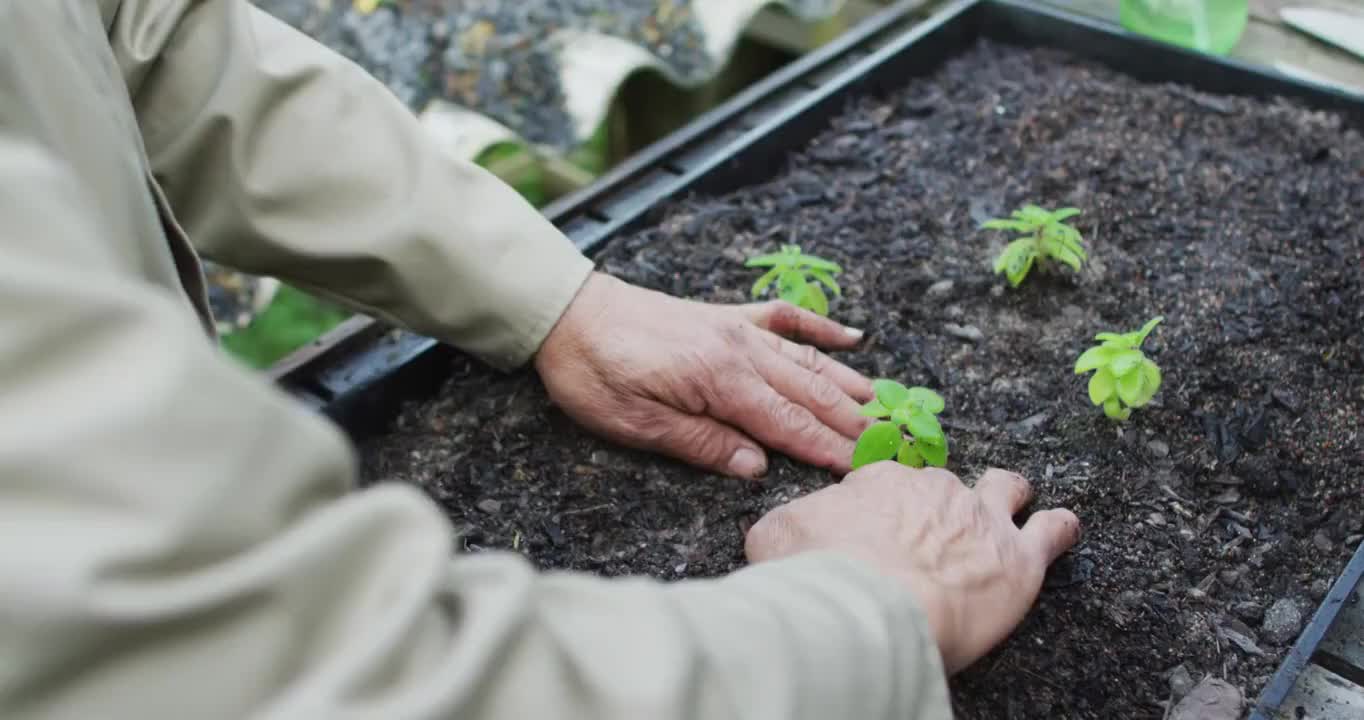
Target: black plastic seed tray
{"points": [[361, 374]]}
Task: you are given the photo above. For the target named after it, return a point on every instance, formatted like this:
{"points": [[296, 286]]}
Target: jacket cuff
{"points": [[537, 278]]}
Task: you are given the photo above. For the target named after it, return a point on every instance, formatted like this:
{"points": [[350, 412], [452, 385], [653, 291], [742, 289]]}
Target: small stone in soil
{"points": [[1287, 398], [1230, 496], [1158, 448], [941, 288], [490, 506], [1249, 611], [1282, 621], [1068, 570], [1027, 426], [969, 333], [1236, 633], [1319, 588], [1212, 699], [1181, 682]]}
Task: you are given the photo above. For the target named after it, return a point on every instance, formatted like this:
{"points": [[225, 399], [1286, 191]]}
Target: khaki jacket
{"points": [[180, 540]]}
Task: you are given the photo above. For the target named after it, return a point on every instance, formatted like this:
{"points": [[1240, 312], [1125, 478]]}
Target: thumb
{"points": [[706, 443], [1050, 533]]}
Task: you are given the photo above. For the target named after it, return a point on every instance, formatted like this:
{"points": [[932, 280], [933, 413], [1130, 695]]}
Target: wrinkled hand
{"points": [[708, 384], [957, 549]]}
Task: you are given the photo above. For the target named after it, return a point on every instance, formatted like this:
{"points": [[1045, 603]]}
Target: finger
{"points": [[1004, 492], [852, 382], [705, 443], [801, 325], [816, 393], [1050, 533], [753, 406]]}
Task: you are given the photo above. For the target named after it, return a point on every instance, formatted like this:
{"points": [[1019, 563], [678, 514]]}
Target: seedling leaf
{"points": [[1045, 237], [815, 299], [1124, 378], [909, 455], [935, 455], [1114, 410], [911, 410], [1101, 386], [925, 428], [1150, 382], [828, 281], [769, 260], [878, 442], [765, 280], [1129, 388], [1124, 362], [900, 416], [1147, 328], [926, 399], [1093, 359], [874, 409], [810, 261], [793, 271], [891, 394], [1018, 225]]}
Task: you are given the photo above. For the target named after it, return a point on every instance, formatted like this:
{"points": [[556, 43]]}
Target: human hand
{"points": [[708, 384], [956, 549]]}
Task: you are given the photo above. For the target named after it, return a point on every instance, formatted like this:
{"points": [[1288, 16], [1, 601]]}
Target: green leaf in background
{"points": [[292, 320]]}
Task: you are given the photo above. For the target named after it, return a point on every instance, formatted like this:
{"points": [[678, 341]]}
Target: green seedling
{"points": [[1124, 378], [793, 270], [912, 435], [1045, 237]]}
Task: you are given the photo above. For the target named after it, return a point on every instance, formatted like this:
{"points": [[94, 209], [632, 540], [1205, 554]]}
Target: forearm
{"points": [[281, 157]]}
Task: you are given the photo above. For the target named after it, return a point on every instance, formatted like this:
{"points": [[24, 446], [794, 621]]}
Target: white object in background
{"points": [[1302, 73], [1340, 29]]}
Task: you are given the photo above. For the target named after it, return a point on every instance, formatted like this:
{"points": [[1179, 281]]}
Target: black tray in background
{"points": [[362, 374]]}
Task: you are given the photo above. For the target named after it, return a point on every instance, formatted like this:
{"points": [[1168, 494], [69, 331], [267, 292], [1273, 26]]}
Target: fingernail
{"points": [[748, 463], [852, 332]]}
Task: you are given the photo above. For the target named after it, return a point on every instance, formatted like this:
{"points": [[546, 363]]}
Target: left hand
{"points": [[707, 384]]}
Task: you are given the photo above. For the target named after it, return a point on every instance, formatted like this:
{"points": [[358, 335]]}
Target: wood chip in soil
{"points": [[1237, 490]]}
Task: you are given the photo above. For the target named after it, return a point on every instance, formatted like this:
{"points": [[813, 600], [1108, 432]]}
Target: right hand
{"points": [[974, 572]]}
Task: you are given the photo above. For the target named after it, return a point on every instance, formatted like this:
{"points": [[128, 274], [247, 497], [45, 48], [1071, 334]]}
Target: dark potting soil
{"points": [[1238, 489], [496, 57]]}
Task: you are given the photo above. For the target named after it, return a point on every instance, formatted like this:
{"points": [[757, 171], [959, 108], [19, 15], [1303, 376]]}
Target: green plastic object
{"points": [[1209, 26]]}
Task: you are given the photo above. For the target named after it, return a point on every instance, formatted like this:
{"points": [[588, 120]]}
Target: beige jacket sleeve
{"points": [[281, 157], [179, 540]]}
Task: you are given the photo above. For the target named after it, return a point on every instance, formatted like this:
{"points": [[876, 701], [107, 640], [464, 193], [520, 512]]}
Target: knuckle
{"points": [[824, 395], [809, 357], [880, 476], [733, 335], [793, 419], [785, 318]]}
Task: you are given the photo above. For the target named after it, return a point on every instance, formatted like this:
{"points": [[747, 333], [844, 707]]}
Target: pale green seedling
{"points": [[1124, 378], [912, 435], [792, 270], [1045, 237]]}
